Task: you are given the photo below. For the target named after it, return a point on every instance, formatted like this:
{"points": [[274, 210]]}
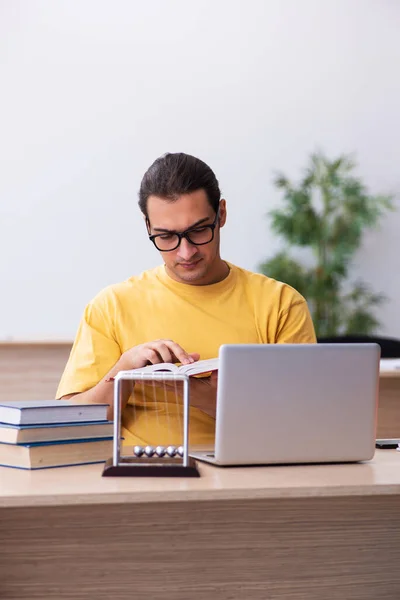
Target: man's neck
{"points": [[219, 272]]}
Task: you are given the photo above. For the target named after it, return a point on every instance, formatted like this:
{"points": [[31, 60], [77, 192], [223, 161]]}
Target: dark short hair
{"points": [[172, 175]]}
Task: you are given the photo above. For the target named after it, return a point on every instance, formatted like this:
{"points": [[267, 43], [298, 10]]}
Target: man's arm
{"points": [[203, 393], [135, 358], [295, 325], [103, 392]]}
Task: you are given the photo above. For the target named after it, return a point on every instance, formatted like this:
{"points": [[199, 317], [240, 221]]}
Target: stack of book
{"points": [[53, 433]]}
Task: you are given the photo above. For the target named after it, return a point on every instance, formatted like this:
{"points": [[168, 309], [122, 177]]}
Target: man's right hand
{"points": [[135, 358], [159, 351]]}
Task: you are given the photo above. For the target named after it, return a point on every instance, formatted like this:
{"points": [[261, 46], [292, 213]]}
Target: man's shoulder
{"points": [[126, 290], [267, 286]]}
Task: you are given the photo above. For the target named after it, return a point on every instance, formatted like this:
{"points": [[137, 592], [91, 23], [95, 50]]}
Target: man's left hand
{"points": [[202, 392]]}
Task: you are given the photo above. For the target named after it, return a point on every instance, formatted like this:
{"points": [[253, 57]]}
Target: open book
{"points": [[197, 368]]}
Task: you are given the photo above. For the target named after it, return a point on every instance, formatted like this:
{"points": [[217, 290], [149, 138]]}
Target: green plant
{"points": [[327, 212]]}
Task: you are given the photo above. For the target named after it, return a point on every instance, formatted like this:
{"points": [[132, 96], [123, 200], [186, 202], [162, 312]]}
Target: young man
{"points": [[179, 312]]}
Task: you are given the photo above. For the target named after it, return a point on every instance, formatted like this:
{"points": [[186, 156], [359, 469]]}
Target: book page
{"points": [[201, 366], [169, 367], [196, 368]]}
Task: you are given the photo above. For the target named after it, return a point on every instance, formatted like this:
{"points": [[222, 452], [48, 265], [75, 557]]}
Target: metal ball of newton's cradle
{"points": [[138, 451], [171, 451], [159, 451], [149, 451]]}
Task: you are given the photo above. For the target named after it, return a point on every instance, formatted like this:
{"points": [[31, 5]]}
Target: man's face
{"points": [[188, 263]]}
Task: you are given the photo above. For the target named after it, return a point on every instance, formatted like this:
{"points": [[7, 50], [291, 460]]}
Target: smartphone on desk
{"points": [[387, 444]]}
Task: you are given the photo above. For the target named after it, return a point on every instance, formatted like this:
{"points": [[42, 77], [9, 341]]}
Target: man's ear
{"points": [[147, 222], [222, 212]]}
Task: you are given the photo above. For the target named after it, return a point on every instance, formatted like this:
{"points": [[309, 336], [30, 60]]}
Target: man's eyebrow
{"points": [[191, 227]]}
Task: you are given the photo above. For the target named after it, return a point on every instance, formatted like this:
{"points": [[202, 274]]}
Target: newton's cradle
{"points": [[150, 461]]}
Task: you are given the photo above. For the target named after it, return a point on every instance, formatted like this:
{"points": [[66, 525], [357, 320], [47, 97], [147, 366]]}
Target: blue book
{"points": [[42, 455], [35, 412], [25, 434]]}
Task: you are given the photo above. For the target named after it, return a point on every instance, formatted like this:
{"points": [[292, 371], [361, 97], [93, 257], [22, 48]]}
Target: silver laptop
{"points": [[303, 403]]}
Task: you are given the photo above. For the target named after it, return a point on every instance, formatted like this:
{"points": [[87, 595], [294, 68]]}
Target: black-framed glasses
{"points": [[198, 236]]}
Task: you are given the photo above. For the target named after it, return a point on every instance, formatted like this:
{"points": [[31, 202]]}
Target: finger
{"points": [[180, 354], [195, 356], [162, 349], [151, 356]]}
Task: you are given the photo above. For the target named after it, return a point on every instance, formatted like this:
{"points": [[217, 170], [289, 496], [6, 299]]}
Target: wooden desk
{"points": [[389, 405], [298, 533]]}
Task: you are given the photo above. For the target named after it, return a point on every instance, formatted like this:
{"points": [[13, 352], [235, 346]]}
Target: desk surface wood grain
{"points": [[84, 484], [301, 533]]}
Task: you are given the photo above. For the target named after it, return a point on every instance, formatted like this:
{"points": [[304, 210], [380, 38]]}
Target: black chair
{"points": [[390, 347]]}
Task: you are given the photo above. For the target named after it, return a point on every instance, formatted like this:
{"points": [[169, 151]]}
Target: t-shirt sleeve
{"points": [[94, 352], [295, 325]]}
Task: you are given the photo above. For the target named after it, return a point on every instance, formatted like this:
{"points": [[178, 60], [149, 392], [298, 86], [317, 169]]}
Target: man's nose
{"points": [[186, 250]]}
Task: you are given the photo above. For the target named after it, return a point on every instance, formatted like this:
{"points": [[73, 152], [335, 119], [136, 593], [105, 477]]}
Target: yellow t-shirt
{"points": [[243, 308]]}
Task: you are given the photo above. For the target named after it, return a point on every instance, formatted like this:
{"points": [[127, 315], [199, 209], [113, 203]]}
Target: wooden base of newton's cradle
{"points": [[139, 467]]}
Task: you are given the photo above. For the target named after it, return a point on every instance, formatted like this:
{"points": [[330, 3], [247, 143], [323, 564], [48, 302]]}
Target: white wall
{"points": [[92, 91]]}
